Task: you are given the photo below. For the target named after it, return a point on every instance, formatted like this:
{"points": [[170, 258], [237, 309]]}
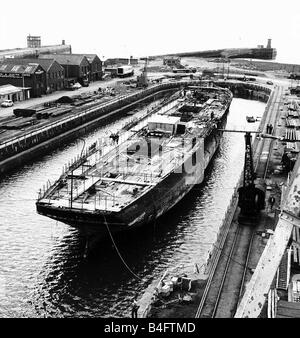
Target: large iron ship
{"points": [[141, 178]]}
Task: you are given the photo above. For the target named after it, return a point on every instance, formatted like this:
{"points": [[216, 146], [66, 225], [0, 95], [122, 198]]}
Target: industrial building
{"points": [[95, 69], [55, 73], [33, 41], [24, 75], [76, 66], [172, 61]]}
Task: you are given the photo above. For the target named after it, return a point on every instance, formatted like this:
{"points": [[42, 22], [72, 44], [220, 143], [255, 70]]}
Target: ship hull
{"points": [[148, 207]]}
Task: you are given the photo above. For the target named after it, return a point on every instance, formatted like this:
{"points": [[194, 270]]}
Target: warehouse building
{"points": [[55, 75], [24, 75], [54, 79], [76, 66], [95, 68], [172, 61]]}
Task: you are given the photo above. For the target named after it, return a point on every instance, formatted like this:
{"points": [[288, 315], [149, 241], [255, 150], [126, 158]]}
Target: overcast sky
{"points": [[140, 27]]}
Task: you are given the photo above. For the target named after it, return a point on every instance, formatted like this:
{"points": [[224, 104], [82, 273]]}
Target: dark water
{"points": [[42, 269]]}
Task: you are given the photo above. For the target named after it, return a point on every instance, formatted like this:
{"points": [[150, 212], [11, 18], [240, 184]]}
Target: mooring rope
{"points": [[118, 252]]}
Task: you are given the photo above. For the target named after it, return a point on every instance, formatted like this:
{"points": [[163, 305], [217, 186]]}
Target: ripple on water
{"points": [[41, 261]]}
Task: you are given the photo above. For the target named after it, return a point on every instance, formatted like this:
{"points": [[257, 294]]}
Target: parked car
{"points": [[269, 82], [7, 103]]}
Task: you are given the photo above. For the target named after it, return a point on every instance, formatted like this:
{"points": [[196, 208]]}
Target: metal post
{"points": [[71, 188]]}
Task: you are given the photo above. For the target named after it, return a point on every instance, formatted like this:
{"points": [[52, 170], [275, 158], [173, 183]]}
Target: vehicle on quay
{"points": [[125, 71], [74, 86], [7, 103], [250, 119], [143, 177]]}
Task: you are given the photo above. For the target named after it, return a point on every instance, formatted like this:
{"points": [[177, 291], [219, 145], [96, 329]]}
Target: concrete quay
{"points": [[259, 278]]}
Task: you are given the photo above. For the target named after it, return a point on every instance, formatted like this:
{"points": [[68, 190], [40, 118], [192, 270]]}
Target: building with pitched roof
{"points": [[95, 69], [76, 66], [23, 74], [55, 73]]}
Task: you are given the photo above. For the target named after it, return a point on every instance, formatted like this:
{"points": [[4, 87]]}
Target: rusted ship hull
{"points": [[149, 206]]}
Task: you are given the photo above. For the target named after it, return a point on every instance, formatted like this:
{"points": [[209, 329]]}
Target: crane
{"points": [[142, 80], [251, 197]]}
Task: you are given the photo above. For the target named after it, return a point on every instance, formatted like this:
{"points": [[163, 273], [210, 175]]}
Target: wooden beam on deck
{"points": [[127, 181]]}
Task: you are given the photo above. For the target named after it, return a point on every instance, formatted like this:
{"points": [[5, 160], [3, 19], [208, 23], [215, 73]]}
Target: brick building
{"points": [[23, 75], [95, 69], [55, 74], [54, 79], [76, 66]]}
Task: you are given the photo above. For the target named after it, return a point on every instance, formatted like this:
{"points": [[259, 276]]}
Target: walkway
{"points": [[260, 283]]}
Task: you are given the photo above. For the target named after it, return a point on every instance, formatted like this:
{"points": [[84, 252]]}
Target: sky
{"points": [[114, 28]]}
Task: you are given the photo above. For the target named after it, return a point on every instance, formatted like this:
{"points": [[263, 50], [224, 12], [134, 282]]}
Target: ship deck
{"points": [[112, 181]]}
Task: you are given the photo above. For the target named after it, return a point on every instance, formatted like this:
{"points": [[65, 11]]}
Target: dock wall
{"points": [[246, 90], [17, 151], [233, 204]]}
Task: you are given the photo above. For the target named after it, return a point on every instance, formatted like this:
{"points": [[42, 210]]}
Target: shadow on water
{"points": [[72, 284]]}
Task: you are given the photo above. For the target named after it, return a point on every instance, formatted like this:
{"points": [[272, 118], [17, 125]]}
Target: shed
{"points": [[10, 92], [164, 123]]}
